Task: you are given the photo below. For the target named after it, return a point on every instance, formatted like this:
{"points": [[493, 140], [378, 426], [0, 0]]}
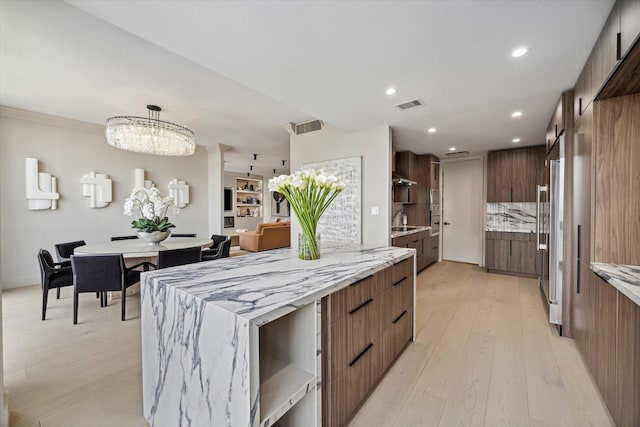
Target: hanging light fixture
{"points": [[150, 135]]}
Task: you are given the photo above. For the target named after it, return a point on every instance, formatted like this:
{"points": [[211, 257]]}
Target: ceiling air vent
{"points": [[306, 127], [410, 104], [458, 154]]}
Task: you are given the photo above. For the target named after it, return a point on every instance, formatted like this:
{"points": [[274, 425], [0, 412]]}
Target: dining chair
{"points": [[220, 251], [52, 275], [113, 239], [102, 273], [175, 257], [183, 234], [64, 252]]}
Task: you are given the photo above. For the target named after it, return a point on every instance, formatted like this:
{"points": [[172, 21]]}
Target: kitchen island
{"points": [[237, 341]]}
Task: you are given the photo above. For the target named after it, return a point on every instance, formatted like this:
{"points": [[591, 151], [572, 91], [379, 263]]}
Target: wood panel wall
{"points": [[617, 180]]}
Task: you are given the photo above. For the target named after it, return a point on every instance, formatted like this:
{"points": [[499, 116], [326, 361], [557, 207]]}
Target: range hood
{"points": [[400, 180]]}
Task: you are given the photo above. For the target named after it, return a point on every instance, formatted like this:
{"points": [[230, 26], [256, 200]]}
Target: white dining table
{"points": [[136, 248]]}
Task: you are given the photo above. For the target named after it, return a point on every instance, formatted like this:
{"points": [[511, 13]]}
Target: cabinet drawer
{"points": [[354, 383], [351, 334], [402, 270], [354, 295]]}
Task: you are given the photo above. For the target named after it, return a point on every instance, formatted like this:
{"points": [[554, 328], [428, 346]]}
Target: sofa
{"points": [[271, 235]]}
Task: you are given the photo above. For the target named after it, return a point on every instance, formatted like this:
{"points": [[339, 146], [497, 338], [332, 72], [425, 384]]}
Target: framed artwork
{"points": [[342, 221]]}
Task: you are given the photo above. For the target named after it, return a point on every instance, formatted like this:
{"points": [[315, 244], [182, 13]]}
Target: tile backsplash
{"points": [[511, 217]]}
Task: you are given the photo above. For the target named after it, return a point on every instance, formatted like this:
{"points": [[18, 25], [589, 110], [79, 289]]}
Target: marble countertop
{"points": [[263, 286], [505, 230], [409, 230], [625, 278]]}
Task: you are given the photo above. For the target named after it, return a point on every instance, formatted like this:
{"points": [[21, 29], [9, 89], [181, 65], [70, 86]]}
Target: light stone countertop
{"points": [[625, 278], [263, 286], [409, 230]]}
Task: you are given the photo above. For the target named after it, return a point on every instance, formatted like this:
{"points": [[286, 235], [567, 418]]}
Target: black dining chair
{"points": [[221, 250], [102, 273], [183, 234], [175, 257], [64, 252], [113, 239], [52, 275]]}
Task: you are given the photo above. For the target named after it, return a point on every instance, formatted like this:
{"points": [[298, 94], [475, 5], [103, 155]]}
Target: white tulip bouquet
{"points": [[152, 207], [309, 192]]}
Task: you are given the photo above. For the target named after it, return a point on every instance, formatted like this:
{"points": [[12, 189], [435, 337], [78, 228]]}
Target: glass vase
{"points": [[308, 246]]}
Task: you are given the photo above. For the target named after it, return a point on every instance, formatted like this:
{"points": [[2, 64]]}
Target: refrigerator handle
{"points": [[541, 189]]}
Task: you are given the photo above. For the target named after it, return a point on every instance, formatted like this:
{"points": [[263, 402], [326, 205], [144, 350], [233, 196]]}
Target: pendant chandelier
{"points": [[150, 135]]}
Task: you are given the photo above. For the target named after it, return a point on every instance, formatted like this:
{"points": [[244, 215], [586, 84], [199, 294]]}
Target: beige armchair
{"points": [[267, 236]]}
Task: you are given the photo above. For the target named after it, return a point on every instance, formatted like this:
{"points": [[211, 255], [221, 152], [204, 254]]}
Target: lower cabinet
{"points": [[365, 327], [608, 337], [511, 253], [426, 247]]}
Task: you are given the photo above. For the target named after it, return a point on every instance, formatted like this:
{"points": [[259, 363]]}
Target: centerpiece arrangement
{"points": [[309, 192], [154, 225]]}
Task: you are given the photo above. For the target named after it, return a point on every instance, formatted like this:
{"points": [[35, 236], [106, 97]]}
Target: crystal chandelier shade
{"points": [[150, 135]]}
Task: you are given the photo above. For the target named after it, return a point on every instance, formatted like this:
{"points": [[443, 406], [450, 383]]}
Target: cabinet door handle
{"points": [[579, 239], [399, 317], [511, 191], [362, 353], [361, 280], [618, 46], [577, 276], [399, 281], [361, 305]]}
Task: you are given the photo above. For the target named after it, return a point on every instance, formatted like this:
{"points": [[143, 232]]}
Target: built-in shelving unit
{"points": [[248, 203], [288, 368]]}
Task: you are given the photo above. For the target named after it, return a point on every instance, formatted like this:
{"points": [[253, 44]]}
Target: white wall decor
{"points": [[41, 188], [96, 186], [341, 222], [179, 190], [139, 180]]}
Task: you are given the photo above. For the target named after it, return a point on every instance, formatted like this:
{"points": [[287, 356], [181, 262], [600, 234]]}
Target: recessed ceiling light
{"points": [[391, 91], [515, 140], [452, 149], [431, 130], [516, 114], [520, 52]]}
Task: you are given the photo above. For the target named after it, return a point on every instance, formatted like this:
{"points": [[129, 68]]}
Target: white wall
{"points": [[68, 149], [374, 145]]}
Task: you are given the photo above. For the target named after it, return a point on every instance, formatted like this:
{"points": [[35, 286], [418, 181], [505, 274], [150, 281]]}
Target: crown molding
{"points": [[18, 113]]}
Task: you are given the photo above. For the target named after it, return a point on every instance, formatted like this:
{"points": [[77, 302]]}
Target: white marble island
{"points": [[236, 342]]}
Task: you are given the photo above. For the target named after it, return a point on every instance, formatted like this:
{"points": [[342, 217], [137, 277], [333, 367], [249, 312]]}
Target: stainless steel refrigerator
{"points": [[549, 230]]}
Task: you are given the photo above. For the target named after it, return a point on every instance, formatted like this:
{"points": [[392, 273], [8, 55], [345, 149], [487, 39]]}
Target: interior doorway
{"points": [[462, 213]]}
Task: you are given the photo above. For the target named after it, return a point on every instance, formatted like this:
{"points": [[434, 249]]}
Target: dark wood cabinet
{"points": [[512, 175], [629, 24], [582, 166], [511, 253], [583, 90], [365, 327], [407, 165], [426, 247], [582, 307], [627, 410], [607, 331], [604, 55]]}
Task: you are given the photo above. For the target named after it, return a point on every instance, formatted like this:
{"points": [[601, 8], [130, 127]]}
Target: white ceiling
{"points": [[235, 71]]}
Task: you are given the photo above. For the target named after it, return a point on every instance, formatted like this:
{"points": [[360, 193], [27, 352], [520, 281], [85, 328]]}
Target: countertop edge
{"points": [[322, 292], [610, 273], [396, 234]]}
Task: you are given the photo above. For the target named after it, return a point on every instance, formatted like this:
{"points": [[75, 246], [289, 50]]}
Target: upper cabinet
{"points": [[629, 24], [512, 175], [407, 165]]}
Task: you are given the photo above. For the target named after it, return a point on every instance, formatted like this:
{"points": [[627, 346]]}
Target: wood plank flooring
{"points": [[484, 355]]}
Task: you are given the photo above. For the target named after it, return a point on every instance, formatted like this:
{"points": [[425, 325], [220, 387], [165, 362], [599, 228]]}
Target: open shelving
{"points": [[288, 365]]}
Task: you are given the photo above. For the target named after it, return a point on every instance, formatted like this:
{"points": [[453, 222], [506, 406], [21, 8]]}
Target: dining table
{"points": [[137, 250]]}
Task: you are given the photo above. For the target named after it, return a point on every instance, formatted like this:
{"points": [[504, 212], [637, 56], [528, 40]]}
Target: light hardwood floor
{"points": [[484, 355]]}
